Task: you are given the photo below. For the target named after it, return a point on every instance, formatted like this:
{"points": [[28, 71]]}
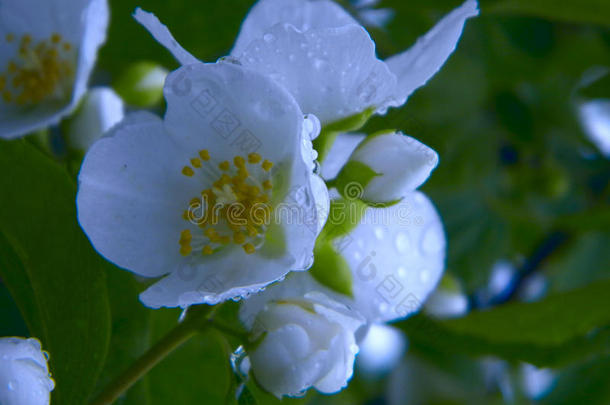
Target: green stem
{"points": [[196, 320]]}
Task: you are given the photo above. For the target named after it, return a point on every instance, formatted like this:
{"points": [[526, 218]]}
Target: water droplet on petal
{"points": [[269, 37], [402, 242], [11, 386], [379, 232], [402, 272], [424, 275], [431, 242]]}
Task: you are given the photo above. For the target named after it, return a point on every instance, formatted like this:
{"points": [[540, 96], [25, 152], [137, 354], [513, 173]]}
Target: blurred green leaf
{"points": [[51, 269], [583, 384], [583, 11], [130, 334], [560, 329]]}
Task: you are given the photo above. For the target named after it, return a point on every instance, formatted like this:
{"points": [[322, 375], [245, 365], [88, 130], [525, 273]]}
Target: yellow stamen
{"points": [[204, 155], [9, 37], [185, 250], [188, 171], [56, 38], [249, 248], [266, 165], [254, 158], [207, 250], [267, 185], [224, 165], [239, 161], [196, 162]]}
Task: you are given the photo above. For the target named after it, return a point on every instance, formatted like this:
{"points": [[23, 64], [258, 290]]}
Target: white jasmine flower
{"points": [[24, 374], [48, 50], [388, 165], [220, 195], [306, 339], [328, 62], [101, 108]]}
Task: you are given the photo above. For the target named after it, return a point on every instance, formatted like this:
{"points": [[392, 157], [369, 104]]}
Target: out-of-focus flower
{"points": [[101, 108], [536, 382], [380, 350], [448, 300], [328, 62], [595, 119], [220, 196], [388, 166], [305, 338], [372, 16], [24, 374], [48, 50], [141, 84]]}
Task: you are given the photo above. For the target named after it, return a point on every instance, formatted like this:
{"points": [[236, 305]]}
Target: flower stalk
{"points": [[197, 320]]}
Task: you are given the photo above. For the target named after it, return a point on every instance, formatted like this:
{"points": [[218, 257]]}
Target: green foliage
{"points": [[51, 269], [558, 330]]}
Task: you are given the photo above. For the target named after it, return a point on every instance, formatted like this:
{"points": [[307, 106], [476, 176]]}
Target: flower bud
{"points": [[24, 375], [303, 338], [385, 167], [100, 110], [141, 84]]}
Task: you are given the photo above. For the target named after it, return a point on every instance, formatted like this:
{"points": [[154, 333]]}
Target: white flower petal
{"points": [[333, 73], [235, 274], [82, 23], [302, 14], [418, 64], [595, 119], [101, 109], [397, 256], [24, 374], [163, 36], [131, 196], [403, 163], [320, 349]]}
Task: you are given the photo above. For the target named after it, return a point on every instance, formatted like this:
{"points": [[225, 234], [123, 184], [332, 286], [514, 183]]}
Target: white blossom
{"points": [[219, 196], [48, 50]]}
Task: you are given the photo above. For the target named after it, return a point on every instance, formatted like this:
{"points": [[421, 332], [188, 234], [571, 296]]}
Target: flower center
{"points": [[236, 209], [40, 70]]}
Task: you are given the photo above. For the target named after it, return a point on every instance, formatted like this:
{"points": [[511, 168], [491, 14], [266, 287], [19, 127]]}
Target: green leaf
{"points": [[584, 384], [584, 11], [130, 333], [330, 269], [51, 269], [558, 330]]}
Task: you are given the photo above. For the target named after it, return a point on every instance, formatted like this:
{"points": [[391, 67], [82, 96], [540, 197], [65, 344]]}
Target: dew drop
{"points": [[402, 272], [383, 307], [291, 57], [424, 275], [379, 233], [431, 242], [11, 386], [269, 37], [402, 242]]}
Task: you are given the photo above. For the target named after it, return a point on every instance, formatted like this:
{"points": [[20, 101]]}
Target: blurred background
{"points": [[520, 116]]}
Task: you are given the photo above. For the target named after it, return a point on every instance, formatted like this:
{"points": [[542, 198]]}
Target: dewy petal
{"points": [[418, 64], [333, 73], [397, 256], [302, 14], [131, 196], [82, 23], [163, 36]]}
